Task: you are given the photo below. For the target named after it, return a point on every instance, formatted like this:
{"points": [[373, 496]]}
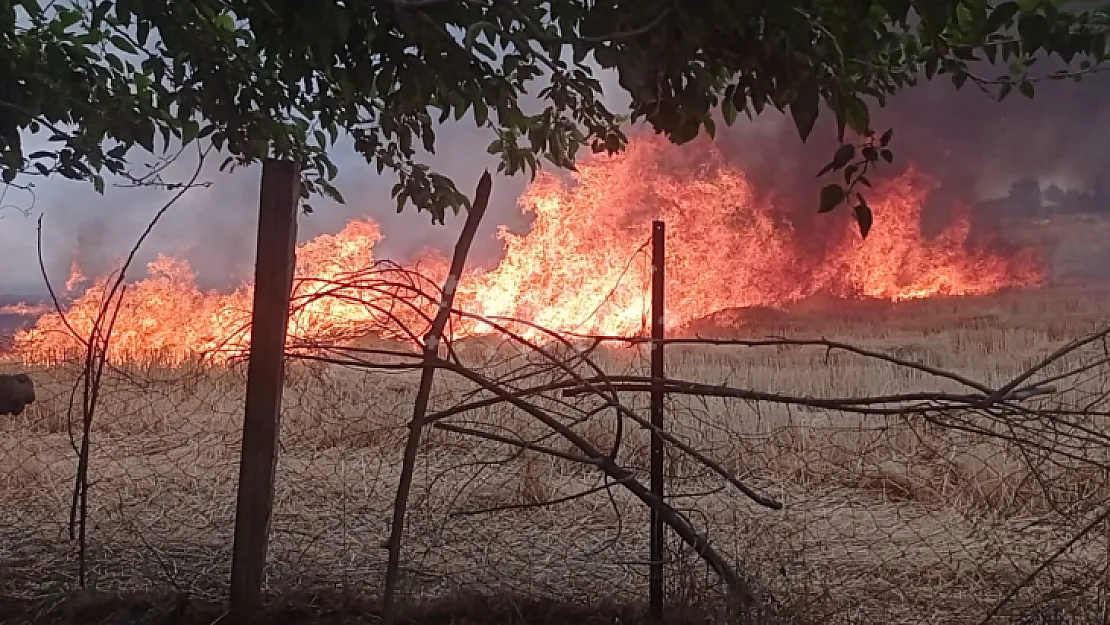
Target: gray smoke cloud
{"points": [[974, 145], [214, 228]]}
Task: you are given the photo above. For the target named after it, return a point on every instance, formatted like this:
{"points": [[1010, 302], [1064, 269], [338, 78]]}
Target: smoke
{"points": [[214, 228], [973, 145]]}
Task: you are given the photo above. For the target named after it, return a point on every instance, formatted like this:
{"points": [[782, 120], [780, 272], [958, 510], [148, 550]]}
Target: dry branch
{"points": [[431, 356], [95, 360], [736, 585]]}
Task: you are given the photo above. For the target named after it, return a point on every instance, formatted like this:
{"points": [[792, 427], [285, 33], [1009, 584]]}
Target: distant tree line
{"points": [[1027, 198]]}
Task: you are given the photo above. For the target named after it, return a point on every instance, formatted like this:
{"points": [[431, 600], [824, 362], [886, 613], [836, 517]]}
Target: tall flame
{"points": [[582, 267]]}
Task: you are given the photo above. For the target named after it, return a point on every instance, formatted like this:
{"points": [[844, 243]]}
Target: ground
{"points": [[179, 609], [886, 518]]}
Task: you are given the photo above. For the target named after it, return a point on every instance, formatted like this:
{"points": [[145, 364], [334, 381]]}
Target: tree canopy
{"points": [[89, 80]]}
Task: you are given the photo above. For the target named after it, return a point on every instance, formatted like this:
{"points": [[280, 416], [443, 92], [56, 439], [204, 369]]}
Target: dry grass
{"points": [[885, 520], [332, 609]]}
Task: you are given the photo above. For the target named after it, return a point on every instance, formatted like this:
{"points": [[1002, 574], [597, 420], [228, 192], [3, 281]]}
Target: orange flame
{"points": [[582, 268]]}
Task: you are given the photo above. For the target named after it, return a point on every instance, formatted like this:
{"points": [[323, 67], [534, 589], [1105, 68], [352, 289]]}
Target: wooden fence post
{"points": [[273, 280], [658, 257]]}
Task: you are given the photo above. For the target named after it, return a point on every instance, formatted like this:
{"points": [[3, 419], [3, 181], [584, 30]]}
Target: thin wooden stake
{"points": [[658, 542], [273, 282], [420, 408]]}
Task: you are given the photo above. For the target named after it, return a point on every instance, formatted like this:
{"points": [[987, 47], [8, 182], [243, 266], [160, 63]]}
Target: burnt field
{"points": [[883, 517]]}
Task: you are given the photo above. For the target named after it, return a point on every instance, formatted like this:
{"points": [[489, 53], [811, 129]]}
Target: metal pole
{"points": [[658, 232]]}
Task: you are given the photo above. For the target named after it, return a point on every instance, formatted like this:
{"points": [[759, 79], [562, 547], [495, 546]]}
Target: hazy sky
{"points": [[975, 145]]}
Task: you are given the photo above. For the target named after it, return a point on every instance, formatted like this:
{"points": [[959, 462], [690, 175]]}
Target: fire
{"points": [[574, 270], [583, 267]]}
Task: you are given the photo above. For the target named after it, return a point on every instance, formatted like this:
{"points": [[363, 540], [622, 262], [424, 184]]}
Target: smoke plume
{"points": [[973, 146]]}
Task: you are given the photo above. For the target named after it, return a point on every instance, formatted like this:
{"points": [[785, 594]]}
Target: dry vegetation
{"points": [[886, 519]]}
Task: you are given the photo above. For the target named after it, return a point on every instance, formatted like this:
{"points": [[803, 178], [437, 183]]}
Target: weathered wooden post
{"points": [[273, 282], [657, 549]]}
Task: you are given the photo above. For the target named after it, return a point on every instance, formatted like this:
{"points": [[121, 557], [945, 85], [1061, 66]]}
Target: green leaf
{"points": [[857, 116], [862, 213], [114, 62], [189, 131], [144, 134], [224, 21], [98, 14], [831, 197], [579, 51], [1033, 29], [481, 113], [884, 140], [843, 156], [728, 112], [475, 30], [67, 18], [1026, 89], [330, 191], [966, 53], [123, 44], [1004, 91], [1002, 14], [887, 155], [991, 50], [963, 14], [804, 108], [32, 7], [931, 64]]}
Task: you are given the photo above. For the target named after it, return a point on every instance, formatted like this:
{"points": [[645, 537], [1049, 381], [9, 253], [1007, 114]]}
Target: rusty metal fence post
{"points": [[658, 543]]}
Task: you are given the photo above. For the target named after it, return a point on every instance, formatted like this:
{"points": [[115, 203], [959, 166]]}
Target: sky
{"points": [[974, 145]]}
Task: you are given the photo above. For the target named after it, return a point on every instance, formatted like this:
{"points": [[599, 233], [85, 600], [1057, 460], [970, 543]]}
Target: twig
{"points": [[738, 588], [543, 504], [817, 342], [1046, 361], [1087, 529], [497, 438], [96, 357]]}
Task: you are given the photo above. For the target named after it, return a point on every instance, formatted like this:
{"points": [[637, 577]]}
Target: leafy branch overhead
{"points": [[962, 40], [83, 83]]}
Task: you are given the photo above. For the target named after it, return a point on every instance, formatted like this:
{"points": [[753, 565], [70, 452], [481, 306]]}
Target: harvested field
{"points": [[886, 518]]}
